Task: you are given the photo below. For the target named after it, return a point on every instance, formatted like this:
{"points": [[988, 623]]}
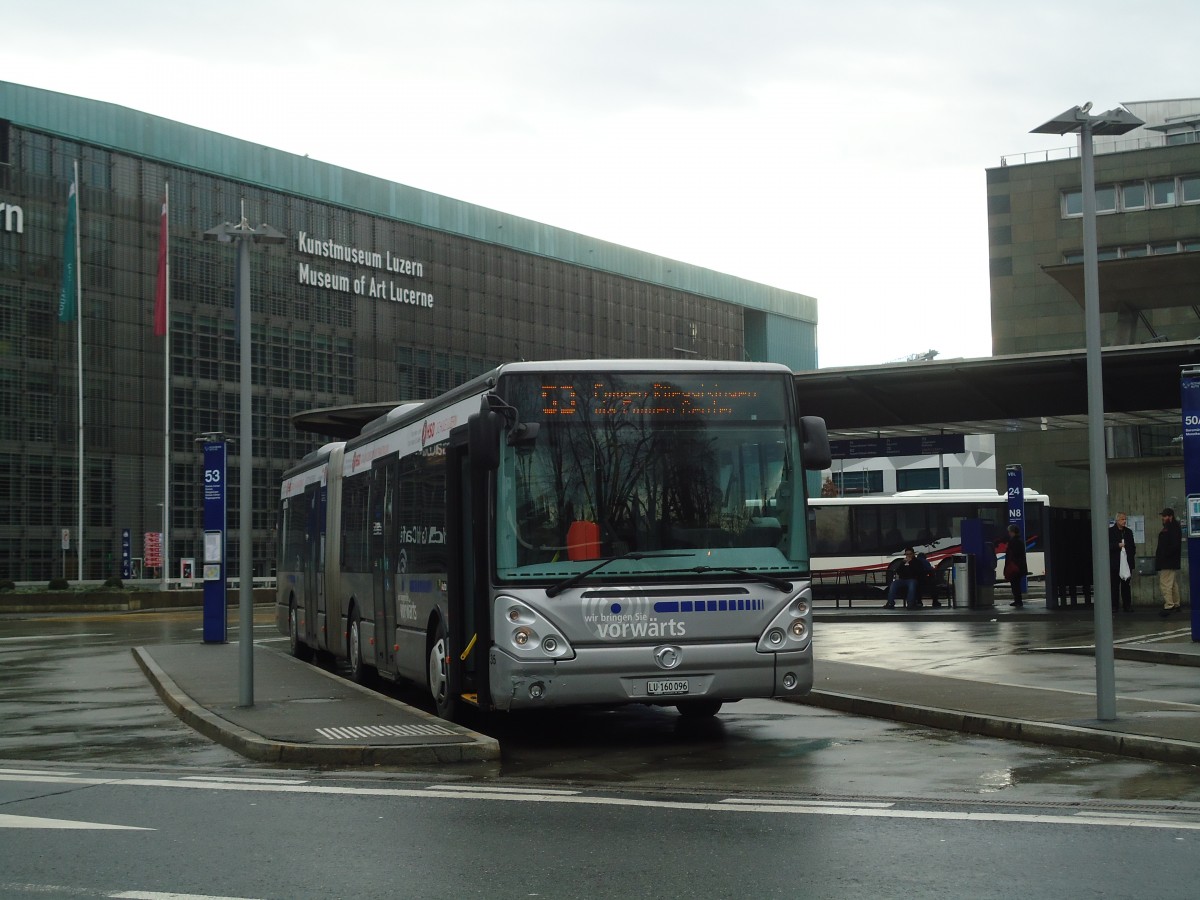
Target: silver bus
{"points": [[564, 533]]}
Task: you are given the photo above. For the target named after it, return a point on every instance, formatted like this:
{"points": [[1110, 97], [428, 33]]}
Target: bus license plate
{"points": [[659, 688]]}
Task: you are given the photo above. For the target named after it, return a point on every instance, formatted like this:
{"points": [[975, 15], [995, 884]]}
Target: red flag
{"points": [[160, 288]]}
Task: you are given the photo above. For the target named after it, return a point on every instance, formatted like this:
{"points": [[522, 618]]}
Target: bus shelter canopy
{"points": [[986, 395]]}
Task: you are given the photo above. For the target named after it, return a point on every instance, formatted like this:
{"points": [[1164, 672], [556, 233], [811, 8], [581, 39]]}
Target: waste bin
{"points": [[970, 589], [962, 573]]}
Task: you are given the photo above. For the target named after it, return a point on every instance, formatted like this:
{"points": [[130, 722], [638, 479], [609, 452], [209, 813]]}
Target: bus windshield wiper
{"points": [[566, 584], [778, 583]]}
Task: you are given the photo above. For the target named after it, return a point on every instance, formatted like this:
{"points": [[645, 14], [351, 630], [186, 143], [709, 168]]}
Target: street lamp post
{"points": [[243, 234], [1115, 121]]}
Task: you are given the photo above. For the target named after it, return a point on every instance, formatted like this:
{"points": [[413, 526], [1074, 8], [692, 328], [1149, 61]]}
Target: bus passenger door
{"points": [[313, 580], [383, 561], [467, 597], [320, 624]]}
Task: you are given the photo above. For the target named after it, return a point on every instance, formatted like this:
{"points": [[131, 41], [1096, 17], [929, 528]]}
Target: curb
{"points": [[1076, 737], [197, 717], [260, 749], [1142, 653], [1168, 657]]}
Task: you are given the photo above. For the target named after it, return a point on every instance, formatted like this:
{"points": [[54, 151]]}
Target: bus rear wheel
{"points": [[296, 644], [358, 669], [699, 709], [439, 674]]}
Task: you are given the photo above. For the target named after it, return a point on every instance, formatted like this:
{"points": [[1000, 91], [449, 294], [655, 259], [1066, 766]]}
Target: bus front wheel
{"points": [[699, 709], [439, 674]]}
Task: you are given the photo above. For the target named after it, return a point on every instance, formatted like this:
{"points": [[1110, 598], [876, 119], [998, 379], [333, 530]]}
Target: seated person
{"points": [[907, 578]]}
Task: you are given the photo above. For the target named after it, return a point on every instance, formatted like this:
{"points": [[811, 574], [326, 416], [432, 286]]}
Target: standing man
{"points": [[1120, 562], [1166, 560]]}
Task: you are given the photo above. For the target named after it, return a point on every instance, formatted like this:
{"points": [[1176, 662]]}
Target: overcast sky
{"points": [[837, 150]]}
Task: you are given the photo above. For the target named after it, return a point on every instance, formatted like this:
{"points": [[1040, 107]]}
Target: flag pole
{"points": [[165, 289], [79, 356]]}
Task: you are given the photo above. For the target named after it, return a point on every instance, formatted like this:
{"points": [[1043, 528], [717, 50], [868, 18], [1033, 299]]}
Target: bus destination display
{"points": [[737, 399]]}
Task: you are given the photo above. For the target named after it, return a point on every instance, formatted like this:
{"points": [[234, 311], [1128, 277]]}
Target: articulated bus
{"points": [[867, 535], [564, 533]]}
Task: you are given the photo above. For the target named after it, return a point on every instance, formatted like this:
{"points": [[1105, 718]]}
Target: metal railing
{"points": [[1141, 142], [147, 584]]}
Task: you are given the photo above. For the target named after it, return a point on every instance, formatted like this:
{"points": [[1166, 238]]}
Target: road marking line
{"points": [[9, 821], [747, 805], [486, 789], [221, 779], [808, 803], [1165, 817], [159, 895], [1154, 636], [60, 890], [57, 637]]}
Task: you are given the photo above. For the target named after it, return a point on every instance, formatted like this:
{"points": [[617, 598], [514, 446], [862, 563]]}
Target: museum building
{"points": [[379, 292]]}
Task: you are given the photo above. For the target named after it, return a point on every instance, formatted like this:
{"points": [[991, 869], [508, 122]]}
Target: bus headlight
{"points": [[791, 628], [531, 635]]}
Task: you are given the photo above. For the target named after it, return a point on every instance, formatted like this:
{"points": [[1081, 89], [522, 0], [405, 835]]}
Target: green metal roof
{"points": [[174, 143]]}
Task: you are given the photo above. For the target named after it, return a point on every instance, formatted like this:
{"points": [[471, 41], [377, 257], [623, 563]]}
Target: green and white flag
{"points": [[68, 296]]}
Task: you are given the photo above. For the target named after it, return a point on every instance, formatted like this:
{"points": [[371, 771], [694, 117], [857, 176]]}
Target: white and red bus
{"points": [[866, 536]]}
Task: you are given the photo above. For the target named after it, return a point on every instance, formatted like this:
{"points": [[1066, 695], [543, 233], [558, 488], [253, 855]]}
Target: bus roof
{"points": [[641, 365]]}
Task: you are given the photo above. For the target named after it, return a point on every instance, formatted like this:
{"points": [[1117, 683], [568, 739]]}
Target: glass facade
{"points": [[353, 307]]}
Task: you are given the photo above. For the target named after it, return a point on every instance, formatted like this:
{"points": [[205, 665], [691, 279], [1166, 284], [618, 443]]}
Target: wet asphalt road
{"points": [[72, 692]]}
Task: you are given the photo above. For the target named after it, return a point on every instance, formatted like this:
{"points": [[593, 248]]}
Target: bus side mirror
{"points": [[523, 435], [815, 453], [483, 439]]}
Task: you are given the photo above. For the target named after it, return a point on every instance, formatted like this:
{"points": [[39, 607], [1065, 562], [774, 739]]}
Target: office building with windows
{"points": [[380, 292], [1148, 235]]}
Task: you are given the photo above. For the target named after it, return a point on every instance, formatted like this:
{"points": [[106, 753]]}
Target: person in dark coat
{"points": [[1167, 558], [1120, 541], [907, 579], [1015, 566]]}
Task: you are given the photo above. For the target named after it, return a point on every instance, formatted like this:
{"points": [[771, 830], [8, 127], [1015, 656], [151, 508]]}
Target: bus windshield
{"points": [[659, 473]]}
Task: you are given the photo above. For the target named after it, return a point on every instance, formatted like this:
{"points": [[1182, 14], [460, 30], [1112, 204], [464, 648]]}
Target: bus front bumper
{"points": [[613, 675]]}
